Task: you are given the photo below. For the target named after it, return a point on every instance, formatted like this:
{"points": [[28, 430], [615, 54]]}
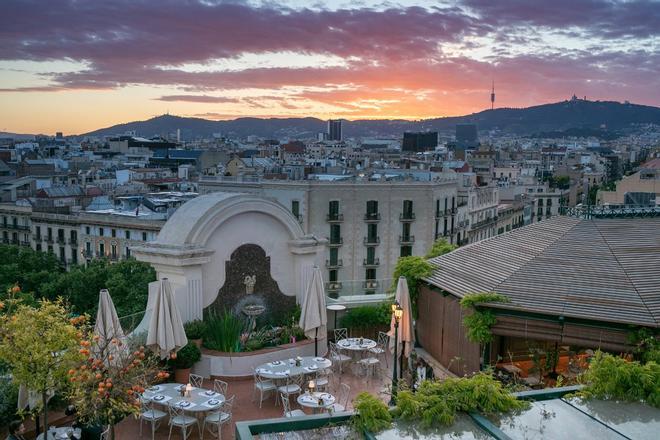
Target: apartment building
{"points": [[58, 234], [368, 224], [15, 224]]}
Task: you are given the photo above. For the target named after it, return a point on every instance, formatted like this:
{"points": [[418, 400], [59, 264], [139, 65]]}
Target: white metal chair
{"points": [[261, 385], [322, 379], [337, 357], [180, 420], [293, 385], [150, 415], [288, 412], [369, 365], [342, 400], [341, 333], [197, 381], [382, 347], [105, 435], [220, 386], [218, 418]]}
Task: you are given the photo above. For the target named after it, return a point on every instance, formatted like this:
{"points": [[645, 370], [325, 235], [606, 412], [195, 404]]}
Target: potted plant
{"points": [[183, 361], [195, 331]]}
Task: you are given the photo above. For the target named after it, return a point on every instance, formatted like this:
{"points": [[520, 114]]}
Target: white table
{"points": [[282, 369], [311, 400], [60, 433], [200, 399], [353, 344]]}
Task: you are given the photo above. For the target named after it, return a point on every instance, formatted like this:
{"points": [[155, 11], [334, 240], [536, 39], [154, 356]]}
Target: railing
{"points": [[334, 218], [371, 241], [371, 262], [407, 239], [484, 222], [610, 211], [73, 242], [130, 322], [359, 291], [333, 285], [88, 254], [49, 240], [332, 264], [372, 217], [370, 284], [407, 216], [61, 240]]}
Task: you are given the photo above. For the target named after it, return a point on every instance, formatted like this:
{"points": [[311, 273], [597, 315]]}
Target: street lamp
{"points": [[397, 312]]}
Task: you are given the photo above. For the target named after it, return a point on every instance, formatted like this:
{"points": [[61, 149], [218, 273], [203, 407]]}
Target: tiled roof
{"points": [[603, 269]]}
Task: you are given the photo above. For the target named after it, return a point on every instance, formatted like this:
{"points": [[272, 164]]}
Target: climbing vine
{"points": [[479, 322]]}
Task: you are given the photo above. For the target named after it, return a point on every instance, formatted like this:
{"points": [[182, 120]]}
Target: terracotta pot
{"points": [[182, 375], [197, 342]]}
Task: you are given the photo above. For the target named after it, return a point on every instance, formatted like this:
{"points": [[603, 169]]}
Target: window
{"points": [[144, 236], [74, 257], [540, 202], [371, 255], [406, 251], [50, 233], [60, 235], [4, 221], [38, 232], [453, 202], [445, 228], [333, 210], [101, 231], [87, 230], [62, 255], [335, 234], [370, 274], [102, 249], [295, 208], [405, 233], [128, 252], [38, 247], [372, 232], [113, 232], [127, 234], [408, 209], [334, 256], [14, 221], [50, 249], [332, 275], [372, 209], [74, 237], [88, 248], [113, 250]]}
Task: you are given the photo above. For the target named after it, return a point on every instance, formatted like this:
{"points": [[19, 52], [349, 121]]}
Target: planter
{"points": [[182, 375], [197, 342]]}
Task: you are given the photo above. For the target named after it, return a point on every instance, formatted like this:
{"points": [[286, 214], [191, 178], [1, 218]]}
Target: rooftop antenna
{"points": [[492, 96]]}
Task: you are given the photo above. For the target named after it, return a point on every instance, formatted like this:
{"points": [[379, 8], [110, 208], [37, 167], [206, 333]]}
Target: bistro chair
{"points": [[293, 385], [341, 333], [197, 381], [342, 400], [382, 346], [288, 412], [369, 365], [180, 420], [263, 386], [322, 379], [150, 415], [337, 357], [105, 435], [218, 418], [220, 386]]}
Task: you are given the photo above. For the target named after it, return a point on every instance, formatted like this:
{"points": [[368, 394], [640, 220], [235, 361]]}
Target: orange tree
{"points": [[38, 344], [105, 386]]}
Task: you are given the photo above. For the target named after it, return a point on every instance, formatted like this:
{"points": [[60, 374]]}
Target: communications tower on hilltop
{"points": [[492, 96]]}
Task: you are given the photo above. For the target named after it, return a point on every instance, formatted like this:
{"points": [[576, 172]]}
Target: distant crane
{"points": [[492, 96]]}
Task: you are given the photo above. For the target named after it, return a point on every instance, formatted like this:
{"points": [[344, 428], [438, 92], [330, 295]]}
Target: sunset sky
{"points": [[75, 66]]}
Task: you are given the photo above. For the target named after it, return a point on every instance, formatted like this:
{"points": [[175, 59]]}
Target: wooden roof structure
{"points": [[604, 270]]}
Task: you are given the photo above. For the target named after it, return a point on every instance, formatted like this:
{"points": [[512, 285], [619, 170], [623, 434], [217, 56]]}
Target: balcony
{"points": [[73, 242], [21, 227], [49, 240], [442, 213], [61, 240], [333, 286], [407, 217], [25, 243], [372, 217], [484, 222], [406, 239], [335, 241], [371, 241], [334, 264], [88, 254], [334, 218], [371, 262], [5, 241], [370, 284]]}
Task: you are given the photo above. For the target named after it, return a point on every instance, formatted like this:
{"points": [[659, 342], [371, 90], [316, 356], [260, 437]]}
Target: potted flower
{"points": [[183, 361], [195, 331]]}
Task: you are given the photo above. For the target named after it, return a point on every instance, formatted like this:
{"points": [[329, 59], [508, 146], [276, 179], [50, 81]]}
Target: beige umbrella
{"points": [[107, 327], [166, 333], [406, 330], [313, 316]]}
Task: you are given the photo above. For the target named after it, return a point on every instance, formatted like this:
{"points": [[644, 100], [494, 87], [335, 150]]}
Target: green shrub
{"points": [[480, 321], [437, 402], [367, 316], [195, 329], [414, 269], [372, 414], [440, 247], [8, 401], [611, 377], [186, 357], [223, 332]]}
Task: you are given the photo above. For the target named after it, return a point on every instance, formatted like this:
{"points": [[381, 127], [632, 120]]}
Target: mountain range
{"points": [[556, 118]]}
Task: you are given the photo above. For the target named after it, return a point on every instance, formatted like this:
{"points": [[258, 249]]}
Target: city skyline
{"points": [[76, 67]]}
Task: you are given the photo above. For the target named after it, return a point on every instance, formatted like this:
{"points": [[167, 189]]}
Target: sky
{"points": [[78, 65]]}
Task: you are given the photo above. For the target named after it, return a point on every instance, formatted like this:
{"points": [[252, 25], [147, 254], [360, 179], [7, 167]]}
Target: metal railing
{"points": [[371, 262], [406, 239], [407, 216], [336, 241], [332, 264], [372, 217], [334, 217], [359, 291], [591, 211], [371, 241]]}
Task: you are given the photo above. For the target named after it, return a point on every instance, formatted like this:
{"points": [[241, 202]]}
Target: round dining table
{"points": [[356, 344], [316, 400], [288, 367], [61, 433], [200, 399]]}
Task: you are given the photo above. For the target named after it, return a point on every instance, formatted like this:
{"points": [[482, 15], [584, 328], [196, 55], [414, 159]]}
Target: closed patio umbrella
{"points": [[107, 327], [313, 316], [406, 330], [166, 333]]}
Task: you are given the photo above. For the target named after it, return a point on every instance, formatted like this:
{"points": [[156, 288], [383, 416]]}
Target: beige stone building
{"points": [[641, 188]]}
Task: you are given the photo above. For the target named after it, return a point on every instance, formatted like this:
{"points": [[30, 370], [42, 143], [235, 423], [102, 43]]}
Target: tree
{"points": [[40, 345], [414, 269], [440, 247]]}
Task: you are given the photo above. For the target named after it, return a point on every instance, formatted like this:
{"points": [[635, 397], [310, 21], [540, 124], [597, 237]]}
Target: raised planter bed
{"points": [[219, 364]]}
